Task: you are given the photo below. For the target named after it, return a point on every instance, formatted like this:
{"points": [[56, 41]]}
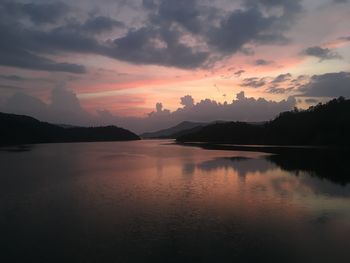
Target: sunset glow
{"points": [[125, 57]]}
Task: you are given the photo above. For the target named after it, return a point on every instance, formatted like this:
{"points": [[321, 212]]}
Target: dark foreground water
{"points": [[149, 201]]}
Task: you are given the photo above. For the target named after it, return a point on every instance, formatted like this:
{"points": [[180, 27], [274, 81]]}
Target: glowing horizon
{"points": [[125, 57]]}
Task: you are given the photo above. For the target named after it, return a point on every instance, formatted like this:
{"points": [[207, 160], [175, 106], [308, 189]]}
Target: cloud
{"points": [[9, 87], [184, 12], [27, 47], [100, 24], [239, 28], [311, 101], [187, 101], [253, 82], [263, 62], [149, 4], [282, 78], [21, 103], [23, 59], [340, 1], [38, 13], [321, 53], [328, 85], [242, 109], [232, 31], [155, 44], [12, 77], [185, 34], [64, 100], [18, 78], [65, 108], [45, 12], [19, 47], [347, 38], [278, 90], [159, 110], [149, 45], [239, 73]]}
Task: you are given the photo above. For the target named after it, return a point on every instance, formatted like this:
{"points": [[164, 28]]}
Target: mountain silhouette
{"points": [[321, 164], [325, 124], [20, 129], [174, 131]]}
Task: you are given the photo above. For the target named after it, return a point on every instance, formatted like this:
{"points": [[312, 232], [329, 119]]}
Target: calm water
{"points": [[150, 201]]}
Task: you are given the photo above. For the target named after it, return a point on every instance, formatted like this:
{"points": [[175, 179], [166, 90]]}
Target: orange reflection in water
{"points": [[155, 200]]}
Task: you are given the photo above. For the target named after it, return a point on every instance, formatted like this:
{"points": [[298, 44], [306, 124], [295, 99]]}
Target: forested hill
{"points": [[324, 124], [173, 131], [20, 129]]}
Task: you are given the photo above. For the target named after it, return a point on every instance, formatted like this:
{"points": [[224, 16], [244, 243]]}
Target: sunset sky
{"points": [[147, 64]]}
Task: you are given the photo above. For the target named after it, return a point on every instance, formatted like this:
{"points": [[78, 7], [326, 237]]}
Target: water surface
{"points": [[152, 201]]}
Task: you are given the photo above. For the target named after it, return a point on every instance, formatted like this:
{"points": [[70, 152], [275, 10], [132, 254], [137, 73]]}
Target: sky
{"points": [[149, 64]]}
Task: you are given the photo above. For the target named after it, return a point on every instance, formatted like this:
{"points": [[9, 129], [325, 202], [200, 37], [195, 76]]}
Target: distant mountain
{"points": [[20, 129], [174, 131], [66, 125], [324, 124]]}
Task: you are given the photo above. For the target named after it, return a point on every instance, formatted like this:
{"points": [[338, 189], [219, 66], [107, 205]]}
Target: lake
{"points": [[153, 201]]}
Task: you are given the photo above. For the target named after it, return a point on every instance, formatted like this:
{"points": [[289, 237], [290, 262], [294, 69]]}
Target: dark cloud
{"points": [[282, 78], [25, 47], [253, 82], [311, 101], [278, 90], [290, 9], [184, 12], [101, 24], [149, 4], [239, 28], [341, 1], [251, 25], [328, 85], [10, 87], [321, 53], [214, 33], [23, 59], [20, 78], [12, 77], [39, 13], [347, 38], [287, 4], [263, 62], [159, 42], [147, 45], [239, 73], [223, 32], [300, 78], [45, 12], [156, 46], [68, 38]]}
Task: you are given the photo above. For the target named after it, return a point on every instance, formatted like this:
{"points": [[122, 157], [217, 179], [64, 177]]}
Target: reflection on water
{"points": [[150, 201], [242, 165], [329, 166]]}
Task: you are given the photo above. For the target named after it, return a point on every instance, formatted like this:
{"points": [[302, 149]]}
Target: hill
{"points": [[174, 131], [324, 124], [20, 129]]}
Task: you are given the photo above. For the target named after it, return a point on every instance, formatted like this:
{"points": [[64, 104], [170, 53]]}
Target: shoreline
{"points": [[273, 149]]}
